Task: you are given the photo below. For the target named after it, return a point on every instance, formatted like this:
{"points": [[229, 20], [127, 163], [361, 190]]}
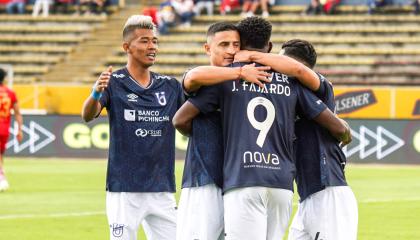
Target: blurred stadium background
{"points": [[57, 173]]}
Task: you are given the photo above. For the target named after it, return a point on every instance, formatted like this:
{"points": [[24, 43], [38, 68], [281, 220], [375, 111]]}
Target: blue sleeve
{"points": [[325, 88], [105, 98], [326, 92], [308, 103], [207, 99], [186, 93], [181, 97]]}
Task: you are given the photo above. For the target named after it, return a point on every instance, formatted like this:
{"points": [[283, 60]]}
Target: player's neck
{"points": [[140, 74]]}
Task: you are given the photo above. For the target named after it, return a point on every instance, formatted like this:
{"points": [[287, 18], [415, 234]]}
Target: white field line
{"points": [[82, 214], [51, 215]]}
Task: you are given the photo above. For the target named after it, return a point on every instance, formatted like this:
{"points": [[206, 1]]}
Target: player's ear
{"points": [[126, 47], [207, 48], [270, 46]]}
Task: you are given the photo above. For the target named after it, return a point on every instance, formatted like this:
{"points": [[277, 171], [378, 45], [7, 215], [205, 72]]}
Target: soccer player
{"points": [[328, 208], [8, 101], [200, 212], [258, 130], [140, 105]]}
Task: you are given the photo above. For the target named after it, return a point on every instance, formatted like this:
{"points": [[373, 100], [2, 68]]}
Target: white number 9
{"points": [[265, 125]]}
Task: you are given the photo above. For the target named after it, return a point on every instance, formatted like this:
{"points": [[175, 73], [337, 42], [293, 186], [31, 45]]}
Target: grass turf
{"points": [[65, 199]]}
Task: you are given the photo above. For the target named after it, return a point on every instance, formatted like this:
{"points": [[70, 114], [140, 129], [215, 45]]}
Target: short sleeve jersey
{"points": [[319, 160], [258, 128], [142, 137], [7, 100]]}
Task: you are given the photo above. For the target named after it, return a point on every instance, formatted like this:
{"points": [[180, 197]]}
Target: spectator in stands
{"points": [[166, 17], [98, 7], [153, 13], [88, 7], [373, 5], [314, 8], [44, 4], [330, 6], [82, 7], [250, 7], [416, 4], [185, 11], [61, 6], [226, 6], [9, 102], [322, 6], [16, 6], [201, 4]]}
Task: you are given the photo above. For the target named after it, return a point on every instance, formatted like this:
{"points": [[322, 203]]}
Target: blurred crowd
{"points": [[180, 13], [45, 7]]}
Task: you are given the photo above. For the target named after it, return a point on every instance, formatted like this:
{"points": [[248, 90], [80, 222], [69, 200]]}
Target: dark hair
{"points": [[255, 32], [220, 27], [301, 50], [2, 75]]}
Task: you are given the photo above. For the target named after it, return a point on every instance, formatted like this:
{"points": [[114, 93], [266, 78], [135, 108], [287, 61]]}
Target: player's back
{"points": [[7, 100], [258, 129], [319, 159]]}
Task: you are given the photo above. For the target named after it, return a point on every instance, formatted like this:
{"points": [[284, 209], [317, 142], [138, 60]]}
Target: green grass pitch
{"points": [[65, 199]]}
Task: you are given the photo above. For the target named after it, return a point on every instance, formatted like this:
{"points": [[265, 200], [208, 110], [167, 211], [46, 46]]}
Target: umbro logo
{"points": [[163, 77], [132, 97], [118, 75]]}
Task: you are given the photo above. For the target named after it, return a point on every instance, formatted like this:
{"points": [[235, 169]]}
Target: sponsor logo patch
{"points": [[140, 132], [130, 115], [352, 101]]}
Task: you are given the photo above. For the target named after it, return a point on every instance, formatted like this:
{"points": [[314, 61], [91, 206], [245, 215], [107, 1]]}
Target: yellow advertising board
{"points": [[378, 102], [351, 102], [407, 103]]}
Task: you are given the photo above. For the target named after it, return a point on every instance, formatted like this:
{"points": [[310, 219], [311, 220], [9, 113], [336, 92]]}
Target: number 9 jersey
{"points": [[258, 128]]}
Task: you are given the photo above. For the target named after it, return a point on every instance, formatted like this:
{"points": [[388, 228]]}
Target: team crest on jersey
{"points": [[132, 97], [117, 230], [118, 75], [161, 98]]}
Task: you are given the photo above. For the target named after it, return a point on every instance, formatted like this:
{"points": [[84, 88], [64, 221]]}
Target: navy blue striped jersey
{"points": [[204, 159], [258, 128], [319, 159], [142, 137]]}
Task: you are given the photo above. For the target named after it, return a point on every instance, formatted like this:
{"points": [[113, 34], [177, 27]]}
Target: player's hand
{"points": [[103, 80], [243, 56], [257, 75], [19, 136], [346, 138]]}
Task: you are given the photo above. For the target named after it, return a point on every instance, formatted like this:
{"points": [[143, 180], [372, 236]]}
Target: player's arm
{"points": [[19, 120], [337, 127], [313, 108], [182, 120], [92, 107], [283, 64], [211, 75]]}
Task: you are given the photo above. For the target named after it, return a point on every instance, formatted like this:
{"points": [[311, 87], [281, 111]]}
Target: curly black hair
{"points": [[2, 75], [255, 32], [301, 50], [220, 27]]}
